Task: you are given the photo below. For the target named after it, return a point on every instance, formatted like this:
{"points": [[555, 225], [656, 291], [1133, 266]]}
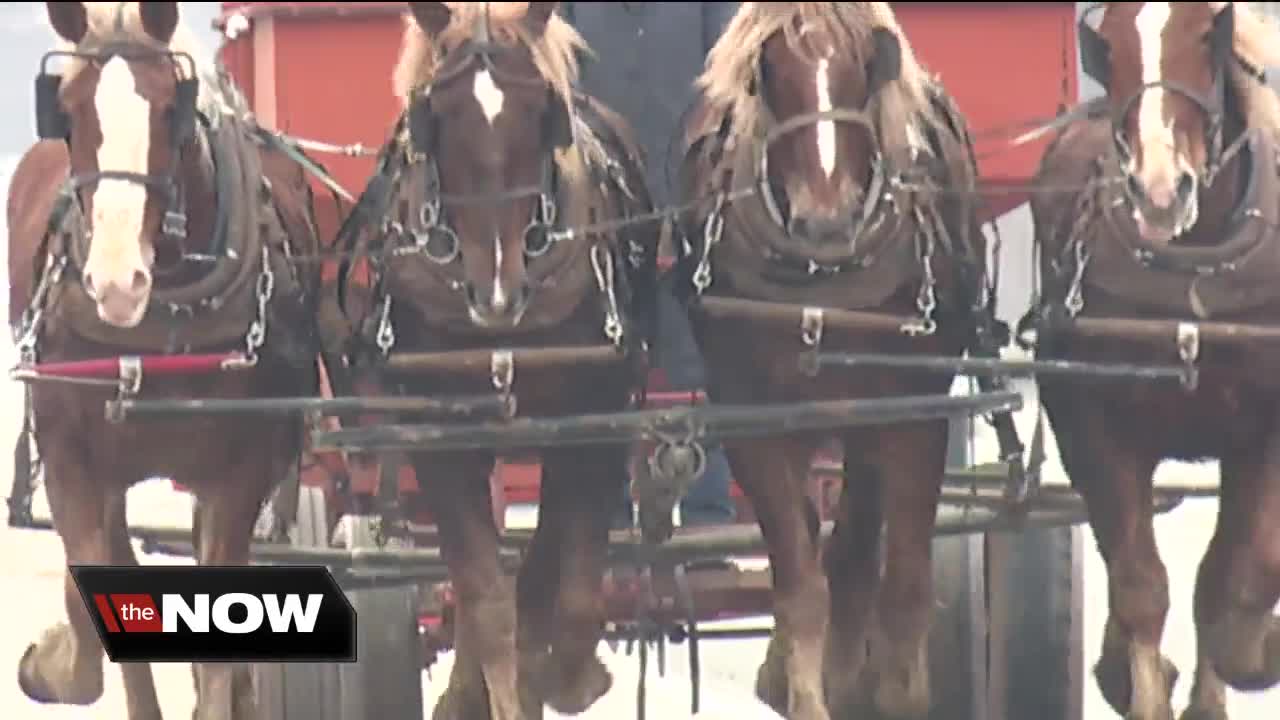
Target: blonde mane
{"points": [[731, 65], [102, 30], [554, 54]]}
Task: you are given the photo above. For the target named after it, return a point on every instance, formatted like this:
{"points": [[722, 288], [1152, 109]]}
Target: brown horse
{"points": [[1165, 207], [819, 105], [490, 183], [150, 220]]}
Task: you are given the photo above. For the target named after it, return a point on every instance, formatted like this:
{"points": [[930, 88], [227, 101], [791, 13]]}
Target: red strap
{"points": [[151, 365]]}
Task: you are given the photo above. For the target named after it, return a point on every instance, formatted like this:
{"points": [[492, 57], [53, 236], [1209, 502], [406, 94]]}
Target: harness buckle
{"points": [[386, 337], [502, 370], [174, 225], [811, 326], [130, 382], [1188, 342]]}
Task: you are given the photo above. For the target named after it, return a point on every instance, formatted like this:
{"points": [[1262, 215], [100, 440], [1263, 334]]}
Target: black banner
{"points": [[255, 613]]}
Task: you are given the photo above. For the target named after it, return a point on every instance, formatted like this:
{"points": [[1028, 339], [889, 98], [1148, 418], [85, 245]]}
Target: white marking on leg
{"points": [[1154, 133], [499, 299], [489, 95], [826, 128]]}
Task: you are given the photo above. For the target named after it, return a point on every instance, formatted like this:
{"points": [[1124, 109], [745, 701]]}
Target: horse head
{"points": [[1181, 87], [490, 121], [831, 89], [125, 105]]}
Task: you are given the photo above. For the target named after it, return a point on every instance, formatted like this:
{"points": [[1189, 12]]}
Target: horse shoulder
{"points": [[33, 190], [1063, 173]]}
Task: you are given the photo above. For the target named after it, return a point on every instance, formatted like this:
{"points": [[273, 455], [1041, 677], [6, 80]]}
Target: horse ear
{"points": [[432, 17], [538, 15], [885, 65], [159, 19], [69, 19]]}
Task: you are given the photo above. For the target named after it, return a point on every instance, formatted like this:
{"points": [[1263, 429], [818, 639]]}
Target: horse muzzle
{"points": [[1162, 213], [498, 309]]}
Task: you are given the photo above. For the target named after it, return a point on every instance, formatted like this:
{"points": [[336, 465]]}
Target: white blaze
{"points": [[1153, 131], [826, 128], [499, 299], [489, 95], [125, 119]]}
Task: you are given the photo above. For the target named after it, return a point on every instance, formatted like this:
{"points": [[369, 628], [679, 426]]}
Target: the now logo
{"points": [[218, 614], [176, 613]]}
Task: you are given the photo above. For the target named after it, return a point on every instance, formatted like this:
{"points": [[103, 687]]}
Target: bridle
{"points": [[1096, 62], [433, 237], [884, 64], [54, 123]]}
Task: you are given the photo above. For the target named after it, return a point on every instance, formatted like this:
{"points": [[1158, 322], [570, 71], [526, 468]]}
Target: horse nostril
{"points": [[1186, 186], [1135, 187], [88, 285], [140, 281]]}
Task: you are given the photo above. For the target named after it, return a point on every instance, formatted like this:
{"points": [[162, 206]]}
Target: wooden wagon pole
{"points": [[469, 361], [696, 423], [782, 313], [1000, 366], [440, 407], [1157, 330]]}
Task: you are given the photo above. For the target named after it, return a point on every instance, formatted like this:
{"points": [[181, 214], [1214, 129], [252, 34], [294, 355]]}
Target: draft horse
{"points": [[1163, 207], [823, 110], [479, 221], [150, 221]]}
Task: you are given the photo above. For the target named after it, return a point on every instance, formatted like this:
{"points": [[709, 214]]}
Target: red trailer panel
{"points": [[322, 71]]}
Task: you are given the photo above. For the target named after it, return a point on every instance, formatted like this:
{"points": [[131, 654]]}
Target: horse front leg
{"points": [[536, 590], [773, 473], [582, 483], [1239, 580], [65, 666], [483, 683], [852, 560], [1115, 481], [912, 463], [229, 500]]}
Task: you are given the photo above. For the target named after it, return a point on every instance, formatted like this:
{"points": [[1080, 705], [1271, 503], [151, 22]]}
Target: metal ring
{"points": [[428, 216], [533, 230], [429, 242]]}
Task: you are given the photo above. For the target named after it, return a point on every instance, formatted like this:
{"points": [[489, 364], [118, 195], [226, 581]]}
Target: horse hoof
{"points": [[574, 694], [771, 686], [1204, 713], [1112, 674], [1234, 664], [29, 686], [446, 707]]}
